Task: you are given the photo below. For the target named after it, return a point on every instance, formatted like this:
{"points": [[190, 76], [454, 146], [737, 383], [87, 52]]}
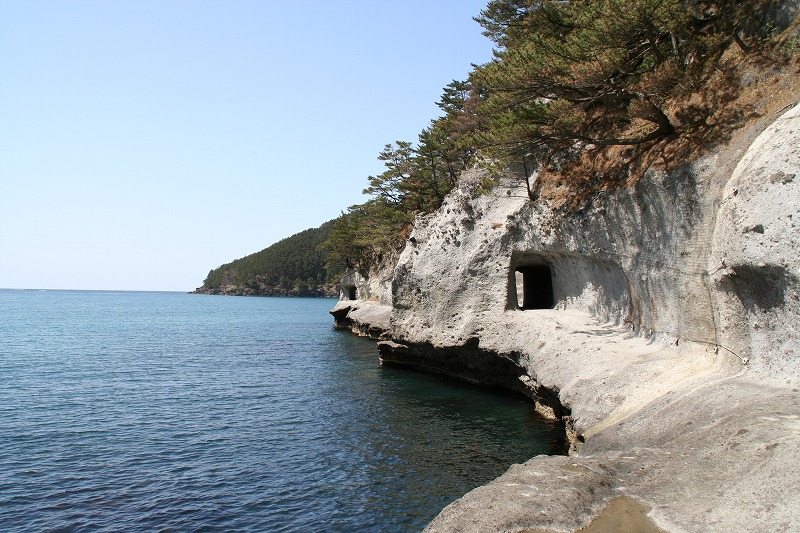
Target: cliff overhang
{"points": [[470, 363]]}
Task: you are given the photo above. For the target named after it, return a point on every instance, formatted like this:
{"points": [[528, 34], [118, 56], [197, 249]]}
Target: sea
{"points": [[154, 411]]}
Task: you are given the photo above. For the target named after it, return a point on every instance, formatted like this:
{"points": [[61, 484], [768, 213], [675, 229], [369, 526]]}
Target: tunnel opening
{"points": [[535, 287], [350, 292]]}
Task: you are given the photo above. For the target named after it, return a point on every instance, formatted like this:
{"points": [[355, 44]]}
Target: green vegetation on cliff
{"points": [[294, 266], [581, 95], [591, 93], [416, 180]]}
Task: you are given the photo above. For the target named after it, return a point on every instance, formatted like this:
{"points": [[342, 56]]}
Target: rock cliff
{"points": [[661, 319]]}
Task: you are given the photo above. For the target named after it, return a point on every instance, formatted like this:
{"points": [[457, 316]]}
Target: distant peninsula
{"points": [[294, 266]]}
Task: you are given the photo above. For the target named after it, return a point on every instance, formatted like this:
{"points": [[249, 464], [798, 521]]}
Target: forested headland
{"points": [[294, 266]]}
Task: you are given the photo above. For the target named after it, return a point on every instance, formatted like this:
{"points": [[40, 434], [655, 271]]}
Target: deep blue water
{"points": [[175, 412]]}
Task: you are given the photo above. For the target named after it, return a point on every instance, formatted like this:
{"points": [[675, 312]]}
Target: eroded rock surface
{"points": [[663, 319], [365, 318], [672, 338]]}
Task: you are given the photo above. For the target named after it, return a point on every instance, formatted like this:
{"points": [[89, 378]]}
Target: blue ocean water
{"points": [[124, 411]]}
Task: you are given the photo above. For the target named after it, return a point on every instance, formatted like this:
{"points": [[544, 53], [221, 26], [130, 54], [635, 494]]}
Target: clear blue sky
{"points": [[143, 143]]}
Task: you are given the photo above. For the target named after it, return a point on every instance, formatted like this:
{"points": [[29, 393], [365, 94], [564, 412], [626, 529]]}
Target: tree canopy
{"points": [[567, 76], [416, 179], [600, 72], [292, 266]]}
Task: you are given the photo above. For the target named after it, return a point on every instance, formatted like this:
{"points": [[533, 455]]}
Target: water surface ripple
{"points": [[174, 412]]}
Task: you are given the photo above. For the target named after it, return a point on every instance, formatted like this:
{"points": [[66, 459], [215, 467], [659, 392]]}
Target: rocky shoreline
{"points": [[667, 333], [363, 318]]}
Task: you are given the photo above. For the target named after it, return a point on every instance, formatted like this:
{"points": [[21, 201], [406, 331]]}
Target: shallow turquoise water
{"points": [[175, 412]]}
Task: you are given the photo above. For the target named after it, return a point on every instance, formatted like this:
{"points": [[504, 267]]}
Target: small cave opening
{"points": [[350, 292], [760, 287], [535, 287]]}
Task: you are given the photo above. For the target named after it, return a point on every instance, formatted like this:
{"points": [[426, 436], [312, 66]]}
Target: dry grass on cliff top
{"points": [[745, 89]]}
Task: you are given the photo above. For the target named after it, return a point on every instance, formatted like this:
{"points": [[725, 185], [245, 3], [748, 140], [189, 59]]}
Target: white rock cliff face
{"points": [[663, 318], [755, 254]]}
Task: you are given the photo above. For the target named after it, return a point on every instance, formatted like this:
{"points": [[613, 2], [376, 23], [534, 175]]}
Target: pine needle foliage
{"points": [[416, 179], [292, 266], [619, 78], [599, 72]]}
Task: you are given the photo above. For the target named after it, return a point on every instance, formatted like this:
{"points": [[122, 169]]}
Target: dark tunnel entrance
{"points": [[537, 287], [350, 292]]}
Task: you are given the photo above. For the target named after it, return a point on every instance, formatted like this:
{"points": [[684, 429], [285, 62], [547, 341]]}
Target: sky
{"points": [[143, 143]]}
